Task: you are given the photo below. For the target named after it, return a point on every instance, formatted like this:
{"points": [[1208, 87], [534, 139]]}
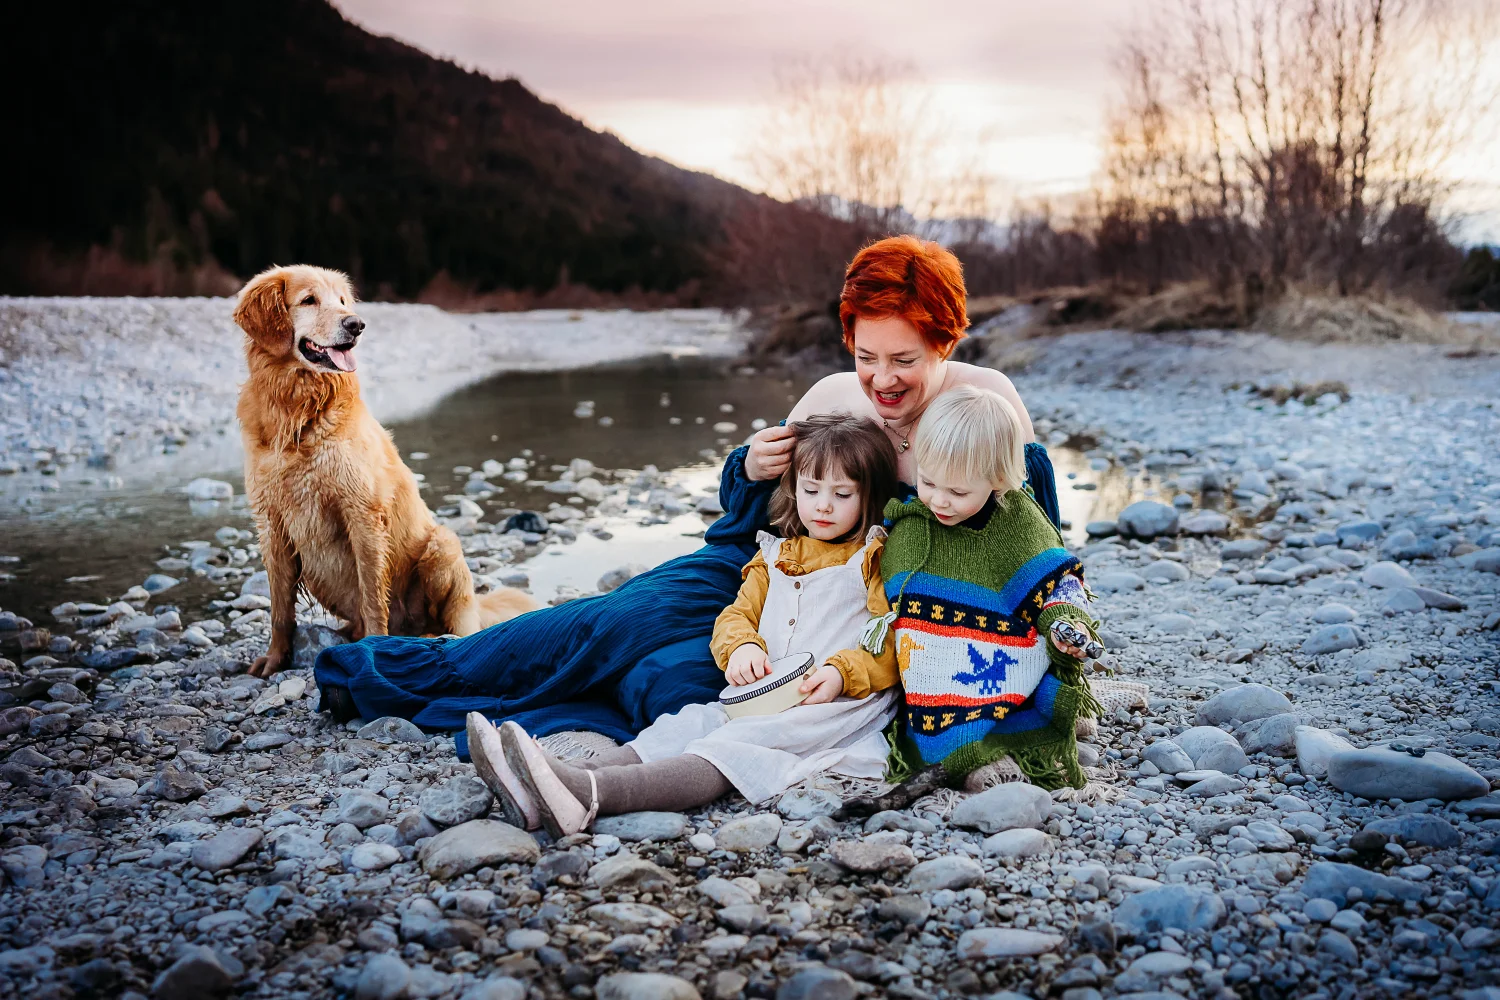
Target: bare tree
{"points": [[858, 139], [1293, 140]]}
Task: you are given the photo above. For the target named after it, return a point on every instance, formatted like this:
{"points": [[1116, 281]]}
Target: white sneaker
{"points": [[485, 750]]}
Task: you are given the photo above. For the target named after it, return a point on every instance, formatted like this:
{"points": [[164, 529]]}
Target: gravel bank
{"points": [[144, 388], [173, 826]]}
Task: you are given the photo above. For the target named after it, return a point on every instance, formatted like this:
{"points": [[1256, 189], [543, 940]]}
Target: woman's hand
{"points": [[822, 685], [748, 663], [770, 453]]}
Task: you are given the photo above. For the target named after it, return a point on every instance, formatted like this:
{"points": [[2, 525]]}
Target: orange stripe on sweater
{"points": [[957, 632], [959, 700]]}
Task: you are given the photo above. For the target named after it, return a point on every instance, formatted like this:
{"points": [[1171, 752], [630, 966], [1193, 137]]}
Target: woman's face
{"points": [[896, 368]]}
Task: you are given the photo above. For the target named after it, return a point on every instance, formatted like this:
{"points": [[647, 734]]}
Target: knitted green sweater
{"points": [[973, 612]]}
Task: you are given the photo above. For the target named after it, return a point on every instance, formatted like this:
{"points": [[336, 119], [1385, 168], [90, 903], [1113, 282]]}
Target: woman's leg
{"points": [[557, 668]]}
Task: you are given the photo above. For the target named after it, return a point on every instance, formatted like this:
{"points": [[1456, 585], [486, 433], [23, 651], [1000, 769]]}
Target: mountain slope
{"points": [[242, 133]]}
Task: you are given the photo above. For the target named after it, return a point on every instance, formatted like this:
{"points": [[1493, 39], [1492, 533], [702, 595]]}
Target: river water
{"points": [[86, 543]]}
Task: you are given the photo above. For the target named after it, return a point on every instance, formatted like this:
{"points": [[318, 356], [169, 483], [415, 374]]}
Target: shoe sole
{"points": [[496, 773], [511, 739]]}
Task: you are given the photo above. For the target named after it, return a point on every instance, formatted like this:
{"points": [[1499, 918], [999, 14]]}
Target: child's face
{"points": [[830, 507], [951, 500]]}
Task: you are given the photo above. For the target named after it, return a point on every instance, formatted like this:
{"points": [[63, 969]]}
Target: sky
{"points": [[1021, 86]]}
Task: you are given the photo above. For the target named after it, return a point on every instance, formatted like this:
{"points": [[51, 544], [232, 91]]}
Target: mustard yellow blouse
{"points": [[864, 673]]}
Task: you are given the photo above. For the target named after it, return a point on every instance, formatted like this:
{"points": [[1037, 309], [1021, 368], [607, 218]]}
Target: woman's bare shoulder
{"points": [[984, 378], [830, 394], [989, 378]]}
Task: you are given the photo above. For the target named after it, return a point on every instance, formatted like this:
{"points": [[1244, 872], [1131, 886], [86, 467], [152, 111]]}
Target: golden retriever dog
{"points": [[338, 512]]}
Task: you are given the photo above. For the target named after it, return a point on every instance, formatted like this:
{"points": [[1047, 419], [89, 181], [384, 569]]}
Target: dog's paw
{"points": [[265, 666]]}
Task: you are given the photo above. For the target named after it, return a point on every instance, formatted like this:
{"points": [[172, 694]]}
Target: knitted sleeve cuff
{"points": [[1063, 611]]}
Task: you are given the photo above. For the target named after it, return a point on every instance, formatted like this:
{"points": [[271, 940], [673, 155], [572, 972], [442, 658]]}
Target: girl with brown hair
{"points": [[804, 602]]}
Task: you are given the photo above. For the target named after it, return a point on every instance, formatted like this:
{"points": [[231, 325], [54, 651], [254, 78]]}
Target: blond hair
{"points": [[973, 434]]}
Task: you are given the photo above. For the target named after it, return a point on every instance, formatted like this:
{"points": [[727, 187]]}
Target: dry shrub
{"points": [[1193, 305], [1073, 306], [1308, 394], [451, 295], [1357, 319], [101, 270], [800, 333]]}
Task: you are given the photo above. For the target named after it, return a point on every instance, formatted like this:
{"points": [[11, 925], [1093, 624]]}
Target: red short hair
{"points": [[918, 280]]}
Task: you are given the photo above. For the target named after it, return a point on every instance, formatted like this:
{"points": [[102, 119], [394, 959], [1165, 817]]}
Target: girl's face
{"points": [[951, 500], [897, 370], [830, 507]]}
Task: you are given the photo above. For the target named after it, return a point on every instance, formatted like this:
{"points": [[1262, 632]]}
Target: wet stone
{"points": [[749, 833], [633, 827], [867, 856], [457, 800], [1378, 773], [951, 871], [362, 808], [390, 729]]}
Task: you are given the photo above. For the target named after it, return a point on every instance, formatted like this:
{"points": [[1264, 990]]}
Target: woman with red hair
{"points": [[903, 310], [614, 663]]}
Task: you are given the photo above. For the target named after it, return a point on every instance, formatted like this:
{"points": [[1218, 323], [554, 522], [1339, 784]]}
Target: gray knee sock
{"points": [[613, 757], [670, 785]]}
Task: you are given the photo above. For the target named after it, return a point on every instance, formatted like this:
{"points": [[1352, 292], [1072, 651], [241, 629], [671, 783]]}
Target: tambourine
{"points": [[775, 692]]}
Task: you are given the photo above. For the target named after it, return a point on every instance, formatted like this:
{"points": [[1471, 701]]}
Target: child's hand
{"points": [[747, 664], [824, 685], [1070, 640], [1067, 648]]}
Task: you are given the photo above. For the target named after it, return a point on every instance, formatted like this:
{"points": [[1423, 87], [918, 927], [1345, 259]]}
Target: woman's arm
{"points": [[739, 623]]}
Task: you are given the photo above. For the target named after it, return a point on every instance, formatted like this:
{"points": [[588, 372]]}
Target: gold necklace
{"points": [[905, 441]]}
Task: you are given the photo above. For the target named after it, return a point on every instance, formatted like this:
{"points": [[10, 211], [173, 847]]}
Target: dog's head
{"points": [[301, 314]]}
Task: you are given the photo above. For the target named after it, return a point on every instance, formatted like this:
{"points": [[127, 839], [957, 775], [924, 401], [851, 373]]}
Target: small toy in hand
{"points": [[1065, 633]]}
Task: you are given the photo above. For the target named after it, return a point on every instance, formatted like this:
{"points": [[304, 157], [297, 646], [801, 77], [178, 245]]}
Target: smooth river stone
{"points": [[952, 871], [1245, 702], [1147, 519], [1118, 580], [1018, 843], [1315, 747], [867, 856], [1187, 908], [1333, 880], [226, 849], [632, 827], [1332, 638], [1167, 756], [1276, 734], [1386, 574], [1379, 773], [1004, 942], [478, 843], [457, 800], [1004, 807], [1334, 614], [749, 833]]}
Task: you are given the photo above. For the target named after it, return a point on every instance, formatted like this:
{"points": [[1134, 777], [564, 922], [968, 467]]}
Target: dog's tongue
{"points": [[342, 357]]}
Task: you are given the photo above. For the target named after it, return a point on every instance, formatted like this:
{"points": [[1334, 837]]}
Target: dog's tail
{"points": [[503, 604]]}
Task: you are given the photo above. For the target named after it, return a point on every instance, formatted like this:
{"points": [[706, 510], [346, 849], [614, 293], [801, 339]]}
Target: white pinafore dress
{"points": [[821, 613]]}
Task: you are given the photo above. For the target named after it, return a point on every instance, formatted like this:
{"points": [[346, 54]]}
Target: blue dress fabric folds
{"points": [[610, 664]]}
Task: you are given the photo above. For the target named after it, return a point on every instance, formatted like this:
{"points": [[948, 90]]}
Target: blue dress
{"points": [[611, 664]]}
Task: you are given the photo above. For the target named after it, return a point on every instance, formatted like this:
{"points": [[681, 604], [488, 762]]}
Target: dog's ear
{"points": [[262, 311]]}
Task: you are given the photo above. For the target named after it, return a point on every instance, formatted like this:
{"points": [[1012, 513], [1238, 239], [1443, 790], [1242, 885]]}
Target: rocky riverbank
{"points": [[1301, 805], [138, 389]]}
